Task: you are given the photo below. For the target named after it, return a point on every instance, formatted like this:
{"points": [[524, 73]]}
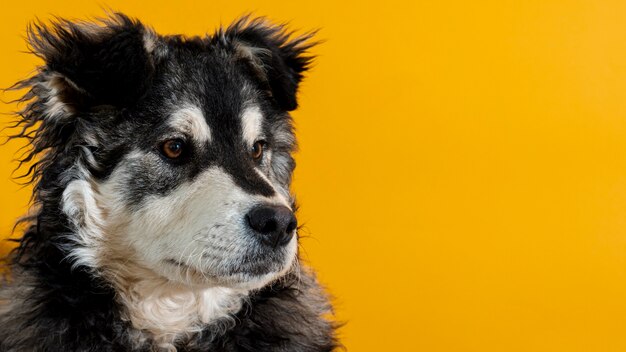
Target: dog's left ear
{"points": [[281, 59]]}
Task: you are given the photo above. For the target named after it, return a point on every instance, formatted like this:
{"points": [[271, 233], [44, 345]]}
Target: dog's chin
{"points": [[248, 277], [243, 281]]}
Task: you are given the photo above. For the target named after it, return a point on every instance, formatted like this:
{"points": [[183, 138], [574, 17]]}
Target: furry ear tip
{"points": [[259, 27]]}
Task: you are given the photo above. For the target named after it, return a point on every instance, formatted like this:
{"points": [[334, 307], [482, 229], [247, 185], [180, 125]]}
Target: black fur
{"points": [[112, 87], [110, 67], [285, 63]]}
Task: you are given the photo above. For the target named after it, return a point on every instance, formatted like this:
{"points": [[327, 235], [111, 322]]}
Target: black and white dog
{"points": [[163, 218]]}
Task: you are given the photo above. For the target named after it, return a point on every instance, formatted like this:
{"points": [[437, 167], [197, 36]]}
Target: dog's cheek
{"points": [[80, 204], [186, 219]]}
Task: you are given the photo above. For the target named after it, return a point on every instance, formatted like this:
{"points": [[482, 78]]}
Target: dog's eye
{"points": [[257, 150], [173, 148]]}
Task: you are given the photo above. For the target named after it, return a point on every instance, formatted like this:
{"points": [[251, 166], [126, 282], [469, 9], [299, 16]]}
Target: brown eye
{"points": [[257, 150], [173, 148]]}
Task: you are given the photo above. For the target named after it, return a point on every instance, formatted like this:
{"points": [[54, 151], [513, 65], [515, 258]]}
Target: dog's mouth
{"points": [[242, 272]]}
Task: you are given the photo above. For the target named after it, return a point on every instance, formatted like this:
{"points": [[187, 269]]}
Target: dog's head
{"points": [[170, 153]]}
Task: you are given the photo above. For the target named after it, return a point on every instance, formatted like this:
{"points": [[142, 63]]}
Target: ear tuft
{"points": [[282, 56]]}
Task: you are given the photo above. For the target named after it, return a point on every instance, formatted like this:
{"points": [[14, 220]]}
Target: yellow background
{"points": [[462, 171]]}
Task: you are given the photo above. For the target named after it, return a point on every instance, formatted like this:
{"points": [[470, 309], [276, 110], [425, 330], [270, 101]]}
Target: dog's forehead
{"points": [[203, 67], [205, 82]]}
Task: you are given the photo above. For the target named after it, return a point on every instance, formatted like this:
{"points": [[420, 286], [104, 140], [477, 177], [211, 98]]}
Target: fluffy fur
{"points": [[129, 249]]}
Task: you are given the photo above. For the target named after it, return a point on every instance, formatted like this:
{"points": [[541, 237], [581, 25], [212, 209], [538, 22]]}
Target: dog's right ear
{"points": [[88, 65]]}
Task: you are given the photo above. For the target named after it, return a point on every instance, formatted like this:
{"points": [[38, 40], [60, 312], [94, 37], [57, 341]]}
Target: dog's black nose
{"points": [[273, 223]]}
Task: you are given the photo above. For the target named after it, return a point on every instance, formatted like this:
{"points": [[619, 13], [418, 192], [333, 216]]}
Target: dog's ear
{"points": [[88, 64], [281, 59]]}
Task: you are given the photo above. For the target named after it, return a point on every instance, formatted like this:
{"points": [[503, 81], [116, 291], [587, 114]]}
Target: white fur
{"points": [[190, 120], [55, 108], [51, 88], [80, 206], [252, 122], [149, 40], [168, 310]]}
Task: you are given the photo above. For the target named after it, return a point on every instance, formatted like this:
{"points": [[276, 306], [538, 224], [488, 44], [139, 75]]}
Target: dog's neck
{"points": [[168, 310]]}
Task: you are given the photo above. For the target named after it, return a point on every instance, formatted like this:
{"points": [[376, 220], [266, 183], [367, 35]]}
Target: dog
{"points": [[162, 213]]}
